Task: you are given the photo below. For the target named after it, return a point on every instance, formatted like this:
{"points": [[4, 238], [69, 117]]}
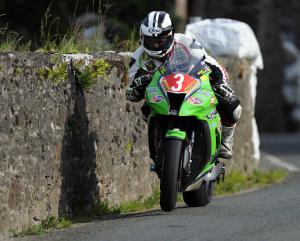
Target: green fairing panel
{"points": [[155, 98], [176, 134], [198, 105], [207, 168], [214, 127]]}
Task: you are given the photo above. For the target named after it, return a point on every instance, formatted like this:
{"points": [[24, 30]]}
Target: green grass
{"points": [[87, 75], [56, 73], [141, 204], [11, 41], [45, 226], [237, 181], [52, 40], [128, 45], [102, 208], [71, 42], [129, 146]]}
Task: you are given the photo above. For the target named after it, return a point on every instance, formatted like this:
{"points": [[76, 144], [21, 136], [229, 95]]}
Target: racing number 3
{"points": [[178, 82]]}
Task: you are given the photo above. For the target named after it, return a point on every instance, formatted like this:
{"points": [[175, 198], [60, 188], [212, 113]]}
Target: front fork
{"points": [[187, 156]]}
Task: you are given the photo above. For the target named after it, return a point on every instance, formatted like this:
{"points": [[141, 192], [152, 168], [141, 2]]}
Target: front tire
{"points": [[200, 197], [170, 173]]}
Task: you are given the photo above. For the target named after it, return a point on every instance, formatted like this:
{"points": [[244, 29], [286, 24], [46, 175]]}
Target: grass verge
{"points": [[235, 182], [47, 224]]}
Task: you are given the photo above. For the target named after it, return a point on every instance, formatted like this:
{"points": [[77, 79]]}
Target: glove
{"points": [[136, 90], [223, 91], [141, 81]]}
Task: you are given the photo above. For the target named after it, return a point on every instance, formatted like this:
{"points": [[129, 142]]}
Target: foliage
{"points": [[141, 204], [129, 146], [57, 73], [73, 41], [128, 45], [117, 15], [102, 208], [31, 230], [18, 71], [53, 39], [46, 225], [87, 75], [64, 34], [11, 41], [64, 223], [237, 181]]}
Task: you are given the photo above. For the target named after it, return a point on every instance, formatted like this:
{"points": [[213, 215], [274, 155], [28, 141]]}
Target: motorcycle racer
{"points": [[158, 42]]}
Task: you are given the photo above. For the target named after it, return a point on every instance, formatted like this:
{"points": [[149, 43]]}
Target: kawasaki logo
{"points": [[155, 30]]}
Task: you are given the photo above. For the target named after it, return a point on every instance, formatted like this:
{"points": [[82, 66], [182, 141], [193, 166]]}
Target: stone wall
{"points": [[63, 149], [244, 152]]}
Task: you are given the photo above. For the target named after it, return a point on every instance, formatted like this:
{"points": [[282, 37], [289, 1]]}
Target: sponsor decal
{"points": [[157, 98], [164, 84], [152, 90], [162, 70], [193, 86], [155, 30], [212, 114], [213, 125], [194, 100], [206, 93], [201, 72], [201, 93]]}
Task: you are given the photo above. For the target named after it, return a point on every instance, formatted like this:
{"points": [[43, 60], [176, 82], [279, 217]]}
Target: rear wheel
{"points": [[169, 175], [200, 197]]}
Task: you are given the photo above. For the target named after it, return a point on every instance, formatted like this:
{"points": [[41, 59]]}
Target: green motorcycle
{"points": [[184, 132]]}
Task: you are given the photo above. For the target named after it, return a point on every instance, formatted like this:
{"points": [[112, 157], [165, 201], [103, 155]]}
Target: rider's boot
{"points": [[227, 142]]}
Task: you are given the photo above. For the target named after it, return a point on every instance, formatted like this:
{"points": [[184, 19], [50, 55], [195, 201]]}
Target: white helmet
{"points": [[156, 34]]}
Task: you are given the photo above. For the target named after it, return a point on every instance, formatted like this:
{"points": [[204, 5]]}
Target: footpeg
{"points": [[222, 174]]}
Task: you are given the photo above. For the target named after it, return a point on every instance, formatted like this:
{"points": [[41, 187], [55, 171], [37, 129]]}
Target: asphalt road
{"points": [[271, 214]]}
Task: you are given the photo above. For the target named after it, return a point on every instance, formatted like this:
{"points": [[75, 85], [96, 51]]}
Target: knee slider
{"points": [[231, 107], [237, 112]]}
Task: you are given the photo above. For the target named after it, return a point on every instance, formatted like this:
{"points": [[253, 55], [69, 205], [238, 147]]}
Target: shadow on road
{"points": [[156, 212]]}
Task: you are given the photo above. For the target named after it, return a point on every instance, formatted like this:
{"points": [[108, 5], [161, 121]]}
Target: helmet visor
{"points": [[158, 43]]}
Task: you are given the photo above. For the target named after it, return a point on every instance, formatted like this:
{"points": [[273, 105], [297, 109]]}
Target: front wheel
{"points": [[200, 197], [169, 175]]}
